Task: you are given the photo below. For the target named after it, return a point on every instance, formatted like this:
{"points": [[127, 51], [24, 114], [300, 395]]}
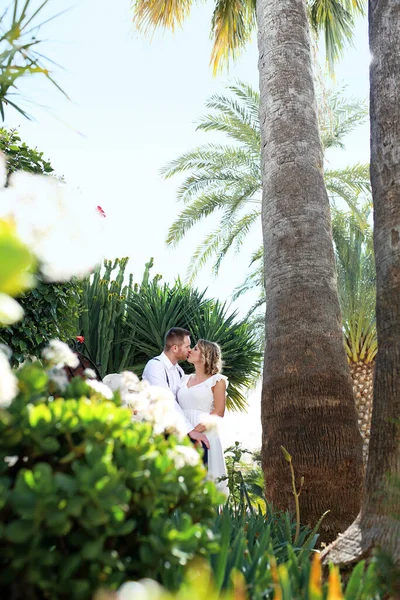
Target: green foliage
{"points": [[124, 326], [19, 54], [51, 312], [226, 179], [20, 156], [91, 499], [244, 479]]}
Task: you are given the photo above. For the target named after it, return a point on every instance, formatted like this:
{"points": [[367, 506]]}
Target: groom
{"points": [[164, 371]]}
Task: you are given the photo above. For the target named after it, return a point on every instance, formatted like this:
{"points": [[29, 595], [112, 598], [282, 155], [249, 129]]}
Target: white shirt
{"points": [[160, 371]]}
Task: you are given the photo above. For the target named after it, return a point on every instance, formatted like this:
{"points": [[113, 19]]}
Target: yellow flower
{"points": [[334, 585], [315, 587]]}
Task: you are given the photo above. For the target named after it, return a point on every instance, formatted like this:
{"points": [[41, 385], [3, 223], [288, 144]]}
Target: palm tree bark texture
{"points": [[307, 401], [379, 522]]}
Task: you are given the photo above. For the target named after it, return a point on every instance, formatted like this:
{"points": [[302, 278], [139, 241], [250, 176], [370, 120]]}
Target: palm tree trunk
{"points": [[307, 402], [379, 522], [362, 375]]}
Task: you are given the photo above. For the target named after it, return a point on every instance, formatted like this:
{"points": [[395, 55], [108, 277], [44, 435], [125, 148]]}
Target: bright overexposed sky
{"points": [[134, 106]]}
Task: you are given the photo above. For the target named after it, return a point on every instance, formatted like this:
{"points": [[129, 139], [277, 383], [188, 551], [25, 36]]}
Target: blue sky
{"points": [[134, 105]]}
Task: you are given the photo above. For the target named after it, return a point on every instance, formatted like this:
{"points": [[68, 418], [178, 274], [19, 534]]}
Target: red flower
{"points": [[100, 211], [80, 338]]}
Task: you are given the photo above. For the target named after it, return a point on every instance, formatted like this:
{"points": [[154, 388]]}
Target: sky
{"points": [[133, 107]]}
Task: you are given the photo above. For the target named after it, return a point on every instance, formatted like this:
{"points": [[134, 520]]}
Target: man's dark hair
{"points": [[176, 335]]}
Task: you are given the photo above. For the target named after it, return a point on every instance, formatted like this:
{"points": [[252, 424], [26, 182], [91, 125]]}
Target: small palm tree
{"points": [[357, 291], [226, 179]]}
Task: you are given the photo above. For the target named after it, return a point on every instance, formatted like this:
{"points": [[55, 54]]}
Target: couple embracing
{"points": [[200, 397]]}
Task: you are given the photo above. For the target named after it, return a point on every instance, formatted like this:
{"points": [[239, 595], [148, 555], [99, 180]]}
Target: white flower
{"points": [[90, 374], [130, 381], [10, 310], [184, 455], [157, 406], [59, 377], [211, 422], [58, 226], [8, 382], [146, 589], [58, 354], [100, 388]]}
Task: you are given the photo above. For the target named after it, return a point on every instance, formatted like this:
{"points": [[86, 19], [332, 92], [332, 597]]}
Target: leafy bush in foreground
{"points": [[91, 499]]}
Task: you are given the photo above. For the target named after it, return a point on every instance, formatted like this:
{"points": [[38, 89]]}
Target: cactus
{"points": [[102, 322]]}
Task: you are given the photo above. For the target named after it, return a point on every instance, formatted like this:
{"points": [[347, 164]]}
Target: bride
{"points": [[203, 394]]}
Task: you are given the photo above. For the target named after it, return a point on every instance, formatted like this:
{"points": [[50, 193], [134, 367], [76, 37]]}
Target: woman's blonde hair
{"points": [[211, 353]]}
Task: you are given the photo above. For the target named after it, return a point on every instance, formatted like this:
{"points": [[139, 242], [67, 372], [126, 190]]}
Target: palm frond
{"points": [[210, 246], [235, 236], [233, 23], [148, 15], [338, 116], [202, 207], [335, 18], [236, 116], [350, 184], [356, 283]]}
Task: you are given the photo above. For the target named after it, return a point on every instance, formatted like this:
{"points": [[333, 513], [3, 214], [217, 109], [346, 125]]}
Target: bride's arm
{"points": [[219, 391]]}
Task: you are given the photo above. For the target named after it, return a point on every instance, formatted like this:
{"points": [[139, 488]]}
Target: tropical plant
{"points": [[226, 179], [357, 291], [378, 524], [19, 54], [89, 498], [124, 326], [51, 310]]}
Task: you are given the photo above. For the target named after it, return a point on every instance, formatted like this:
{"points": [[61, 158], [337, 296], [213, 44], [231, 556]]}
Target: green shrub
{"points": [[51, 311], [91, 499]]}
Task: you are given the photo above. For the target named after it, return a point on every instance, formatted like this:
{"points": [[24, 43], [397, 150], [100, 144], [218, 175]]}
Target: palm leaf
{"points": [[335, 18]]}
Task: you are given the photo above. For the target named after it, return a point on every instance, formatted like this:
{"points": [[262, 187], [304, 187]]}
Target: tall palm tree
{"points": [[307, 403], [307, 399], [378, 524], [226, 179]]}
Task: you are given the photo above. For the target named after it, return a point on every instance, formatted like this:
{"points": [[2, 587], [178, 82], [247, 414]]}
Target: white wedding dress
{"points": [[197, 402]]}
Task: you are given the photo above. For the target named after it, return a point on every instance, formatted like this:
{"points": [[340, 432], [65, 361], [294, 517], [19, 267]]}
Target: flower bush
{"points": [[89, 498]]}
